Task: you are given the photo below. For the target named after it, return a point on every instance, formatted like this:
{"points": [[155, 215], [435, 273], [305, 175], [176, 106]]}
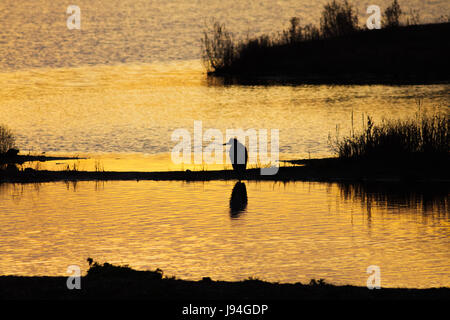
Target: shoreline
{"points": [[321, 170], [252, 79], [285, 174], [145, 285], [20, 159]]}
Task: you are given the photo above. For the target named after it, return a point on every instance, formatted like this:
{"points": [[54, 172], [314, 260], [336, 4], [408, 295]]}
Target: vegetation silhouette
{"points": [[108, 281], [403, 150], [107, 270], [10, 157], [392, 15], [338, 19], [423, 138], [338, 51], [7, 141]]}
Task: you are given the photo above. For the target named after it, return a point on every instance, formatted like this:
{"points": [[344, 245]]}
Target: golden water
{"points": [[288, 232], [135, 108], [115, 90]]}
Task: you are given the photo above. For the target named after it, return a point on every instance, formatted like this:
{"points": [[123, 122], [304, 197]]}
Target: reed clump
{"points": [[337, 49], [424, 137], [221, 51], [7, 139]]}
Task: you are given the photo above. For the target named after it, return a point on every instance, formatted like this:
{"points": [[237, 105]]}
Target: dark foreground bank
{"points": [[120, 282]]}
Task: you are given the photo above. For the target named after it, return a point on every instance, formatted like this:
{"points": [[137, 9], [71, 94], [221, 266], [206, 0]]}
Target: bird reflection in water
{"points": [[238, 200]]}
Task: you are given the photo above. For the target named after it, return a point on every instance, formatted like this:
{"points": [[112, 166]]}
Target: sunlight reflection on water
{"points": [[134, 109], [287, 232]]}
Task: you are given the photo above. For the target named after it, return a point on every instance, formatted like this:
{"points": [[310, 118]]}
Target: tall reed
{"points": [[425, 135], [220, 51], [7, 139]]}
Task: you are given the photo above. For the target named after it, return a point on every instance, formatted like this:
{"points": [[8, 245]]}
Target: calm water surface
{"points": [[132, 75], [287, 232], [135, 108], [115, 91], [34, 32]]}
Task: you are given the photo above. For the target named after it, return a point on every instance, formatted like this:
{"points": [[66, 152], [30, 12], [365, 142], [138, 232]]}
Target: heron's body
{"points": [[238, 155]]}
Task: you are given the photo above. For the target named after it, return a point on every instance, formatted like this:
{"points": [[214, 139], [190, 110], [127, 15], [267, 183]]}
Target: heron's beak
{"points": [[225, 144]]}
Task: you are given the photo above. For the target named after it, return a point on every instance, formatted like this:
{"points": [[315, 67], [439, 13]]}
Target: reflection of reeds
{"points": [[429, 198], [72, 183], [15, 190]]}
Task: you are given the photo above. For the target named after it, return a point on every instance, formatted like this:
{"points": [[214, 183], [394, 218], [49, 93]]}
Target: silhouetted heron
{"points": [[238, 155]]}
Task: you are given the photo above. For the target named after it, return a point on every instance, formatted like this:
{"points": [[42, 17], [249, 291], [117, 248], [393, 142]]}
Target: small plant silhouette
{"points": [[392, 15], [320, 282], [108, 270], [7, 139]]}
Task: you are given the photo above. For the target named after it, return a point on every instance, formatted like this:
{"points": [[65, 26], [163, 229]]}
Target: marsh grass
{"points": [[98, 166], [338, 19], [75, 167], [392, 15], [338, 49], [7, 139], [221, 51], [218, 47], [424, 136]]}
